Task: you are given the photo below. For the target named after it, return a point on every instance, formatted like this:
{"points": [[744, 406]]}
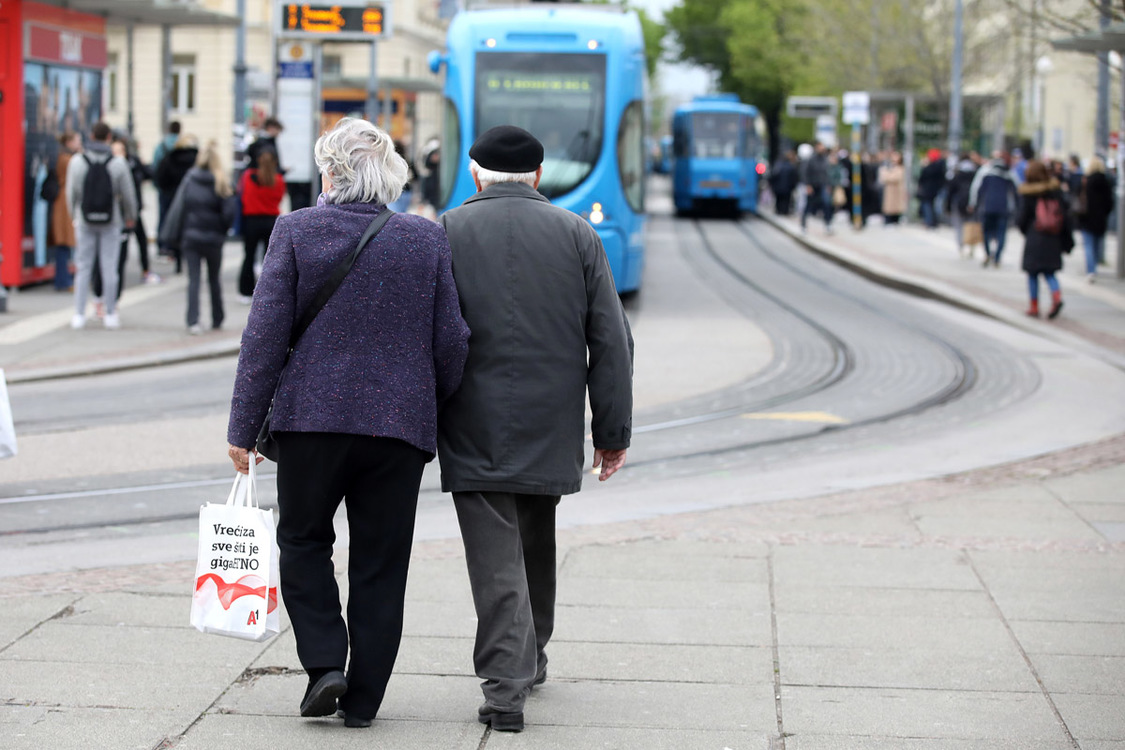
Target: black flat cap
{"points": [[506, 148]]}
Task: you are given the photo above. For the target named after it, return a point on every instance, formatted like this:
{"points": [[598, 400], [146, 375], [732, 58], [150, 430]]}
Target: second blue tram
{"points": [[576, 79], [719, 155]]}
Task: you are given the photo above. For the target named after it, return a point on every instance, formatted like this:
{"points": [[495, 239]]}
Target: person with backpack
{"points": [[261, 188], [1045, 221], [101, 198], [200, 216], [60, 233]]}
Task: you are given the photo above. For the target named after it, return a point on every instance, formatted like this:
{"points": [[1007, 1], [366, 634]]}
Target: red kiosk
{"points": [[50, 81]]}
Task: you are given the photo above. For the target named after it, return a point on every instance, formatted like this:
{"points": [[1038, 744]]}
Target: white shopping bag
{"points": [[236, 573], [7, 428]]}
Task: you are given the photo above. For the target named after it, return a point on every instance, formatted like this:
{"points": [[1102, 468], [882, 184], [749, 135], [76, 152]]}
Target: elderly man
{"points": [[537, 293]]}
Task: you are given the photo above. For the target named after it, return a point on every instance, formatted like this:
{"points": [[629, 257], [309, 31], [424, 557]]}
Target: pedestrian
{"points": [[261, 189], [198, 221], [892, 178], [101, 198], [1045, 221], [431, 181], [173, 167], [266, 142], [991, 199], [814, 176], [1073, 179], [966, 230], [1018, 167], [60, 234], [783, 181], [548, 326], [164, 197], [354, 410], [870, 199], [140, 173], [1092, 209], [931, 181], [405, 200]]}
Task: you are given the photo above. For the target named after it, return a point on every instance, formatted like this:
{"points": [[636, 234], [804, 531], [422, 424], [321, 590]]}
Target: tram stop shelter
{"points": [[53, 55], [1110, 38]]}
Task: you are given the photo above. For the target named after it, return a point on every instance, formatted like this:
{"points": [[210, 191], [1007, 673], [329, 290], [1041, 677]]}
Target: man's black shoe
{"points": [[501, 721], [320, 698]]}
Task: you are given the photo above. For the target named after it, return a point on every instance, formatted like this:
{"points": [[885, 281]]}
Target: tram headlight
{"points": [[592, 44], [596, 215], [490, 43]]}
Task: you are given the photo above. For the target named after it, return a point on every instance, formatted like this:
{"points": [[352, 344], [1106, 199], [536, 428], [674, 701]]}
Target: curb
{"points": [[120, 364]]}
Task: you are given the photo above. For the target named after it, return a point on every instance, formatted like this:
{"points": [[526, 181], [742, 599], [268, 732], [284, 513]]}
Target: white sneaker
{"points": [[1091, 278], [112, 321], [152, 278], [195, 330], [78, 321], [244, 300]]}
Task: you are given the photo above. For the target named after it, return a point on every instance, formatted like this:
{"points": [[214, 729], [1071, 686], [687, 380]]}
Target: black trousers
{"points": [[510, 551], [256, 230], [378, 479]]}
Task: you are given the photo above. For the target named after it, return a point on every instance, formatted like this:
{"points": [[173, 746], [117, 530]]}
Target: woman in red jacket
{"points": [[261, 189]]}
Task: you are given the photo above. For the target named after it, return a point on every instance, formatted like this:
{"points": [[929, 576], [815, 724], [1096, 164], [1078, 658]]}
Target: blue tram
{"points": [[576, 79], [719, 152]]}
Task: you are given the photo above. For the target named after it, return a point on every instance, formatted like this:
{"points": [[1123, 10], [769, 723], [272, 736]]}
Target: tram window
{"points": [[559, 98], [715, 135], [631, 155], [450, 153]]}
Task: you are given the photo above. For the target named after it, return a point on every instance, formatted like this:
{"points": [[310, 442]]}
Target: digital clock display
{"points": [[333, 20]]}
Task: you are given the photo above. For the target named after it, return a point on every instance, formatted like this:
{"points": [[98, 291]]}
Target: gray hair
{"points": [[361, 163], [491, 177]]}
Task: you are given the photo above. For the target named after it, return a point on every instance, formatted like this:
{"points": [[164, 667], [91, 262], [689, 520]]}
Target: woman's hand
{"points": [[241, 458]]}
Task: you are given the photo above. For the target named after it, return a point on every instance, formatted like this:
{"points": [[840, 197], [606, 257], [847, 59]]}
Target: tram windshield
{"points": [[715, 135], [558, 98]]}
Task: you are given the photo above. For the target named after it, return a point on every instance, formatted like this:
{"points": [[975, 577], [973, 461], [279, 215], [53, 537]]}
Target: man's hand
{"points": [[241, 458], [609, 461]]}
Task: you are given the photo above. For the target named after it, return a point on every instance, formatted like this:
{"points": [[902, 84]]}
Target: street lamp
{"points": [[1043, 66]]}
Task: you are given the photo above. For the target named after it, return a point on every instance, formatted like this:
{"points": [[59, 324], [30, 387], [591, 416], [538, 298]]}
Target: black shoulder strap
{"points": [[337, 277]]}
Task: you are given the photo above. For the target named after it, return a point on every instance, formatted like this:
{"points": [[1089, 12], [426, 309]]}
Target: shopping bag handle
{"points": [[244, 491]]}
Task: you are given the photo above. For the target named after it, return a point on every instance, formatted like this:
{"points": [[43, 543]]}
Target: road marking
{"points": [[799, 416]]}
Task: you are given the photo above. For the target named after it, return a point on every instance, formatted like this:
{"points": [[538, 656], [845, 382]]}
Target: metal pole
{"points": [[908, 148], [372, 88], [1101, 118], [1121, 182], [166, 76], [955, 116], [240, 67], [129, 78], [388, 107], [317, 106], [857, 179]]}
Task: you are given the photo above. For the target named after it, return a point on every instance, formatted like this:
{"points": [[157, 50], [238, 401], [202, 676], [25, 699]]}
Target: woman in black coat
{"points": [[201, 214], [1095, 203], [1045, 221]]}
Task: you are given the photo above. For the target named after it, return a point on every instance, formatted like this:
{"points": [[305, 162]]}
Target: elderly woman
{"points": [[355, 408]]}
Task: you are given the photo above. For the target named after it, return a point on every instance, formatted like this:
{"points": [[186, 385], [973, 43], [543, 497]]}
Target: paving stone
{"points": [[895, 522], [1071, 638], [1077, 604], [1103, 675], [444, 580], [1002, 670], [440, 619], [851, 600], [435, 656], [216, 731], [71, 728], [150, 646], [1100, 511], [651, 625], [733, 665], [1001, 528], [969, 635], [1099, 486], [140, 610], [1113, 531], [22, 613], [546, 737], [1062, 564], [938, 714], [870, 567], [687, 548], [853, 742], [622, 562], [1020, 503], [1092, 717], [707, 595]]}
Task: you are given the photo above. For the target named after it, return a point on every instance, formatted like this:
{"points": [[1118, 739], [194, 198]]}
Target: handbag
{"points": [[236, 570], [839, 196], [972, 233], [7, 426], [266, 444]]}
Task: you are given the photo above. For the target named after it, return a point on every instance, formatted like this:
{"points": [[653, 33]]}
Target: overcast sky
{"points": [[679, 82]]}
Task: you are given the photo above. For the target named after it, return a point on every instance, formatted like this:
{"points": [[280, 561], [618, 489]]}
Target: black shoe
{"points": [[501, 721], [320, 698], [540, 678], [353, 721]]}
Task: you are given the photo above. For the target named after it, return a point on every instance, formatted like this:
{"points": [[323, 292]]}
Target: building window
{"points": [[183, 83], [111, 80], [332, 65]]}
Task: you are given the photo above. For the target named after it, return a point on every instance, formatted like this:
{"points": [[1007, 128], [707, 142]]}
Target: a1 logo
{"points": [[253, 619]]}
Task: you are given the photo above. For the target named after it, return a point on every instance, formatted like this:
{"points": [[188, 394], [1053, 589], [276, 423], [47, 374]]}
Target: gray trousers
{"points": [[195, 256], [510, 550], [105, 243]]}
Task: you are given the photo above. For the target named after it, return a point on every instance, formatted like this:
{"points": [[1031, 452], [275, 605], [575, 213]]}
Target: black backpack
{"points": [[97, 192], [50, 190]]}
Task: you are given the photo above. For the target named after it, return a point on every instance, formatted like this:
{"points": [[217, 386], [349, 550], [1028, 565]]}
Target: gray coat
{"points": [[537, 293]]}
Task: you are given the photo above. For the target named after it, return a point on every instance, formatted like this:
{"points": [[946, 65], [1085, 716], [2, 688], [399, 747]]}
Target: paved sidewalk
{"points": [[980, 610]]}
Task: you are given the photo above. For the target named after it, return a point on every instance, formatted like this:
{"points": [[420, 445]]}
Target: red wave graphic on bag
{"points": [[227, 593]]}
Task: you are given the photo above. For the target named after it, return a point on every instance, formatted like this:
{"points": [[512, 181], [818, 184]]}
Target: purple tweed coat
{"points": [[389, 346]]}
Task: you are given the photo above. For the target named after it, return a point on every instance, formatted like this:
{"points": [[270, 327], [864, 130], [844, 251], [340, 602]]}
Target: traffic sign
{"points": [[857, 108], [811, 106]]}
